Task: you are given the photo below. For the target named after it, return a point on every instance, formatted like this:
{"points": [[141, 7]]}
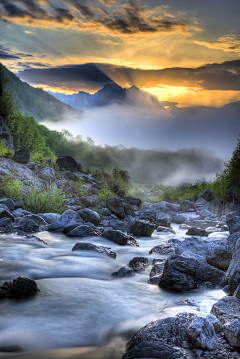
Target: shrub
{"points": [[4, 151], [11, 187], [105, 193]]}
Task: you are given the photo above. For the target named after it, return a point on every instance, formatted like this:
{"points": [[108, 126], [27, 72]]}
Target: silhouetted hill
{"points": [[34, 101]]}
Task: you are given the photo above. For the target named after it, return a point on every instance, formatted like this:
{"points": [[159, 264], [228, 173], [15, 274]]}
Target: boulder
{"points": [[207, 194], [94, 247], [178, 218], [115, 187], [134, 201], [22, 156], [227, 309], [202, 334], [141, 228], [232, 332], [116, 206], [165, 230], [118, 225], [164, 249], [170, 330], [71, 175], [128, 209], [123, 272], [119, 237], [31, 165], [8, 202], [90, 201], [6, 225], [69, 217], [232, 241], [148, 214], [27, 224], [5, 213], [138, 263], [163, 222], [215, 322], [181, 273], [201, 202], [46, 174], [233, 221], [37, 219], [50, 217], [186, 205], [215, 251], [88, 215], [156, 271], [82, 231], [68, 163], [204, 213], [233, 273], [156, 350], [19, 288]]}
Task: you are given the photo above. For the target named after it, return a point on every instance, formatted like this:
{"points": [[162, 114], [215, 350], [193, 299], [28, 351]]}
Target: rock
{"points": [[156, 271], [50, 217], [5, 213], [128, 209], [47, 174], [215, 251], [186, 205], [165, 230], [181, 273], [233, 221], [106, 212], [232, 332], [88, 215], [170, 330], [207, 194], [232, 241], [118, 225], [119, 237], [148, 214], [227, 309], [194, 256], [27, 224], [115, 187], [5, 221], [69, 217], [224, 228], [72, 176], [94, 247], [156, 350], [68, 163], [215, 322], [237, 292], [92, 190], [82, 231], [22, 156], [201, 202], [90, 201], [123, 272], [116, 206], [194, 231], [134, 201], [202, 334], [37, 219], [233, 273], [8, 202], [31, 165], [178, 218], [5, 172], [163, 222], [141, 228], [20, 213], [164, 249], [138, 263], [204, 213], [121, 193], [19, 288]]}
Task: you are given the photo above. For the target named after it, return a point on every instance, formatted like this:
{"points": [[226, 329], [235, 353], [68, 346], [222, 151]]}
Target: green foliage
{"points": [[43, 200], [4, 151], [11, 187], [105, 193], [79, 188]]}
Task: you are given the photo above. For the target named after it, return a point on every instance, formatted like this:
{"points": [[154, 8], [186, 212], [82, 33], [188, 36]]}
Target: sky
{"points": [[183, 51]]}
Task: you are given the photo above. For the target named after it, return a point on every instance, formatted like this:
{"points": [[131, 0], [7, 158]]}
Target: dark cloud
{"points": [[6, 54], [84, 10]]}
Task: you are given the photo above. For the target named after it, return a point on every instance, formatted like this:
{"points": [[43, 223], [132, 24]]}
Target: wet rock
{"points": [[8, 202], [141, 228], [118, 225], [233, 221], [19, 288], [194, 231], [207, 194], [156, 350], [170, 330], [138, 263], [227, 309], [232, 241], [215, 251], [94, 247], [202, 334], [82, 231], [237, 292], [201, 202], [147, 214], [88, 215], [156, 271], [46, 174], [69, 217], [116, 206], [181, 273], [123, 272], [21, 156], [119, 237], [186, 205], [233, 273], [90, 201], [165, 230], [27, 224], [164, 249], [232, 332], [178, 218], [6, 225], [50, 217], [134, 201], [128, 209], [215, 322], [163, 222], [5, 213], [69, 163], [37, 219]]}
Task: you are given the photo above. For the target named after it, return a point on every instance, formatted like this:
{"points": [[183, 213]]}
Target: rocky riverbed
{"points": [[142, 280]]}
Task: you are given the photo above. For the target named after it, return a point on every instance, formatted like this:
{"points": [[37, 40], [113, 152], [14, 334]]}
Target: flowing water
{"points": [[80, 304]]}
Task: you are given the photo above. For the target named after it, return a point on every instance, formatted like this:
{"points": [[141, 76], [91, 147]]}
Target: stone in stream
{"points": [[27, 224], [138, 263], [116, 206], [232, 332], [181, 273], [156, 271], [202, 334], [195, 231], [134, 201], [227, 309], [233, 273], [141, 228], [148, 214], [123, 272], [82, 231], [215, 322], [19, 288], [165, 230], [119, 237], [94, 247], [232, 241], [88, 215], [164, 249], [233, 221], [69, 217]]}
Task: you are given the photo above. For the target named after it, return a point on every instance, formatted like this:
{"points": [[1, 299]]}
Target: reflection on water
{"points": [[80, 304]]}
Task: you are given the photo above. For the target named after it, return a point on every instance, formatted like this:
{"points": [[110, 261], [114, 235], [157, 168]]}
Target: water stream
{"points": [[80, 304]]}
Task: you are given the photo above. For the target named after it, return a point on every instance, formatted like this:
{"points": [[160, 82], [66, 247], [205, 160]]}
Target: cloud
{"points": [[226, 43], [7, 54], [224, 76]]}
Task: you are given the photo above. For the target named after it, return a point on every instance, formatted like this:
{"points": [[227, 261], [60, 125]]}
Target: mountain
{"points": [[34, 101], [110, 94]]}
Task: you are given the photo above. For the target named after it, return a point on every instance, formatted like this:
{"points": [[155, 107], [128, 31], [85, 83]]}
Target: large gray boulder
{"points": [[232, 332], [207, 194], [69, 217], [186, 205], [138, 263], [90, 201], [94, 247], [21, 156], [215, 251], [8, 202], [233, 273], [46, 174], [202, 334], [88, 215], [232, 241], [156, 271], [134, 201], [69, 163], [6, 213], [141, 228], [116, 206], [82, 231], [49, 217], [227, 309], [27, 224], [164, 249], [195, 231], [148, 214], [178, 218], [181, 274], [119, 237], [19, 288], [233, 221], [118, 225]]}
